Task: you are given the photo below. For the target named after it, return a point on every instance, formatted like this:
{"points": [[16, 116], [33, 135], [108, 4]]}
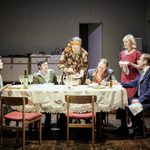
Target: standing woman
{"points": [[74, 59], [128, 62], [74, 62]]}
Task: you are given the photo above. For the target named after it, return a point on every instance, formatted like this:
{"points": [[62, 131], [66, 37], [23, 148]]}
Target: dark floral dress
{"points": [[77, 61]]}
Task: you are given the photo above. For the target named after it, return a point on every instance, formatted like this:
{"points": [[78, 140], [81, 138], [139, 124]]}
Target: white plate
{"points": [[76, 76], [123, 62], [19, 86], [93, 85]]}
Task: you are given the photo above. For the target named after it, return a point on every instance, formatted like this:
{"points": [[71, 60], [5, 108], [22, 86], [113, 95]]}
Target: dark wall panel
{"points": [[29, 26]]}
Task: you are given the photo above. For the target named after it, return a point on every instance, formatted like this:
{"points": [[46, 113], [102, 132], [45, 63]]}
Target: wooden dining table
{"points": [[49, 98]]}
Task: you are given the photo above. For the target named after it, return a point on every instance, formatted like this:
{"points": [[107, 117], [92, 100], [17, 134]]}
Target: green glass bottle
{"points": [[25, 83]]}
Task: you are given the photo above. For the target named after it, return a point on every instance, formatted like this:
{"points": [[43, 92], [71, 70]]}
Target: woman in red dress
{"points": [[128, 62]]}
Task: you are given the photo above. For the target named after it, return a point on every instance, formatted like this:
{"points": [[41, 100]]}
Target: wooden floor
{"points": [[126, 144], [110, 141]]}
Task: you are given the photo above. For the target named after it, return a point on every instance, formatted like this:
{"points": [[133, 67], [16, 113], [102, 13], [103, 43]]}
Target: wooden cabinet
{"points": [[13, 67]]}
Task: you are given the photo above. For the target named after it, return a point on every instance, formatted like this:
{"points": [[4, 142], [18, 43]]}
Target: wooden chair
{"points": [[89, 76], [84, 99], [24, 118], [106, 120]]}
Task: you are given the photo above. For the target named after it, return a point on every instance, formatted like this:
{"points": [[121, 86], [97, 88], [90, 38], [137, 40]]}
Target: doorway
{"points": [[91, 35], [148, 36]]}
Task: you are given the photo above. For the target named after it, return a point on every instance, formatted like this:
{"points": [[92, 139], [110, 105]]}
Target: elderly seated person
{"points": [[101, 74]]}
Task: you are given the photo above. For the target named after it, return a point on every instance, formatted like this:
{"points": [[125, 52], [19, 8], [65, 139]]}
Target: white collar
{"points": [[146, 68], [41, 74]]}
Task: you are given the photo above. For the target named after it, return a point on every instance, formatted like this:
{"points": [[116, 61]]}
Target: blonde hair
{"points": [[131, 38]]}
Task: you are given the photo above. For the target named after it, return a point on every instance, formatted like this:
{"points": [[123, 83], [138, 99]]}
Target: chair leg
{"points": [[23, 138], [30, 130], [67, 135], [92, 137], [40, 131], [93, 131], [107, 118], [143, 116], [2, 137]]}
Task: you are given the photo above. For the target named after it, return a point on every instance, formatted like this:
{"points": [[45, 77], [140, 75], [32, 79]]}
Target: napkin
{"points": [[135, 108], [124, 67]]}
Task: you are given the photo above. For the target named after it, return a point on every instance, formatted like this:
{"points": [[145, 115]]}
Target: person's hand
{"points": [[70, 70], [76, 76], [8, 86], [7, 90], [105, 83], [115, 82], [135, 101], [81, 73], [88, 81]]}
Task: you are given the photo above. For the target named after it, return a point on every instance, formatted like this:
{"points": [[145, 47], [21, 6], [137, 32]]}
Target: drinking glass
{"points": [[21, 79], [64, 79], [59, 78], [30, 78], [69, 80]]}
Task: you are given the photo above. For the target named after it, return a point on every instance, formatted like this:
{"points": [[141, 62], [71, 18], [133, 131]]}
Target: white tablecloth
{"points": [[51, 98]]}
